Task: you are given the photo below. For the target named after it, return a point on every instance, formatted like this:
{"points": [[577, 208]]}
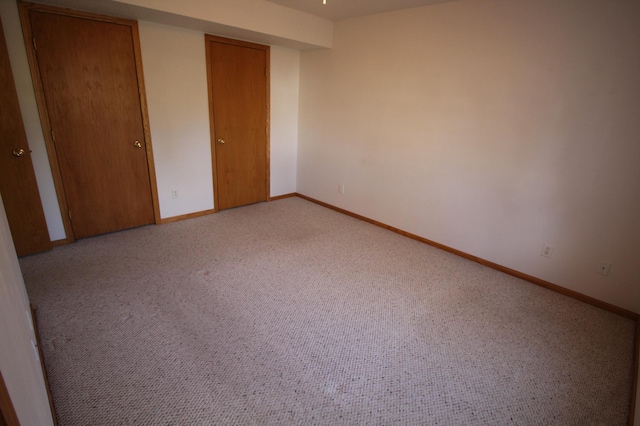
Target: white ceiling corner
{"points": [[338, 10]]}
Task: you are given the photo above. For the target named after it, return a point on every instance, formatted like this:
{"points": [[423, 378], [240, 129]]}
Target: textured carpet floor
{"points": [[290, 313]]}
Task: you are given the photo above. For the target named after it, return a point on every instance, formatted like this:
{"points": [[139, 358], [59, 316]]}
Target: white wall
{"points": [[255, 17], [19, 363], [175, 75], [285, 82], [492, 127]]}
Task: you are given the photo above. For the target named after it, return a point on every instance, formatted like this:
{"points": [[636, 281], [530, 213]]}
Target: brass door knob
{"points": [[221, 141], [137, 144], [18, 152]]}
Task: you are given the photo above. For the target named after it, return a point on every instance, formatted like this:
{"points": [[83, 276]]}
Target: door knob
{"points": [[18, 152], [137, 144], [221, 141]]}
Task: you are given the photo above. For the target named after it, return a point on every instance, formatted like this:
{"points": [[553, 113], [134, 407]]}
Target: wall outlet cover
{"points": [[604, 269], [547, 250]]}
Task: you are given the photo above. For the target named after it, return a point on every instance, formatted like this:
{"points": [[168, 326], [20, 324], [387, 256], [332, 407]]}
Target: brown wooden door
{"points": [[238, 80], [88, 72], [8, 416], [17, 179]]}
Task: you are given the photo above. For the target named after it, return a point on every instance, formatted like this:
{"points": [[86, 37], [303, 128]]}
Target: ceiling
{"points": [[337, 10]]}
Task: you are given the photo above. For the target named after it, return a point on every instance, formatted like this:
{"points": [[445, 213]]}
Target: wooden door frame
{"points": [[25, 212], [25, 8], [207, 40], [7, 411]]}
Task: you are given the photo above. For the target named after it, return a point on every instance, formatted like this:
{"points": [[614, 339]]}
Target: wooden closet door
{"points": [[88, 72], [238, 80], [17, 179]]}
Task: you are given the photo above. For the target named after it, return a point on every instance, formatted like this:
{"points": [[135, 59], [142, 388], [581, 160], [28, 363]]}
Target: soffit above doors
{"points": [[256, 21], [338, 10]]}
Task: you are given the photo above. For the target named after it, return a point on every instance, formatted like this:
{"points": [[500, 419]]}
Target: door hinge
{"points": [[69, 213], [35, 46], [53, 136]]}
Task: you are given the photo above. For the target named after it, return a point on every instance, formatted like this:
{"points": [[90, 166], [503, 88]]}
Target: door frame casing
{"points": [[207, 40], [7, 410], [24, 9], [20, 192]]}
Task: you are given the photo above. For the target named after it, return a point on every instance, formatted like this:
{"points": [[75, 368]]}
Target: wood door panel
{"points": [[17, 178], [239, 97], [88, 73]]}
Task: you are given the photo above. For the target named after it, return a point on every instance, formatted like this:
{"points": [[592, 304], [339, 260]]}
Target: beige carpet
{"points": [[290, 313]]}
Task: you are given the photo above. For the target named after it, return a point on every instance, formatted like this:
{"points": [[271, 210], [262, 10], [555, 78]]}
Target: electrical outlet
{"points": [[604, 269], [174, 193], [547, 250], [341, 188]]}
